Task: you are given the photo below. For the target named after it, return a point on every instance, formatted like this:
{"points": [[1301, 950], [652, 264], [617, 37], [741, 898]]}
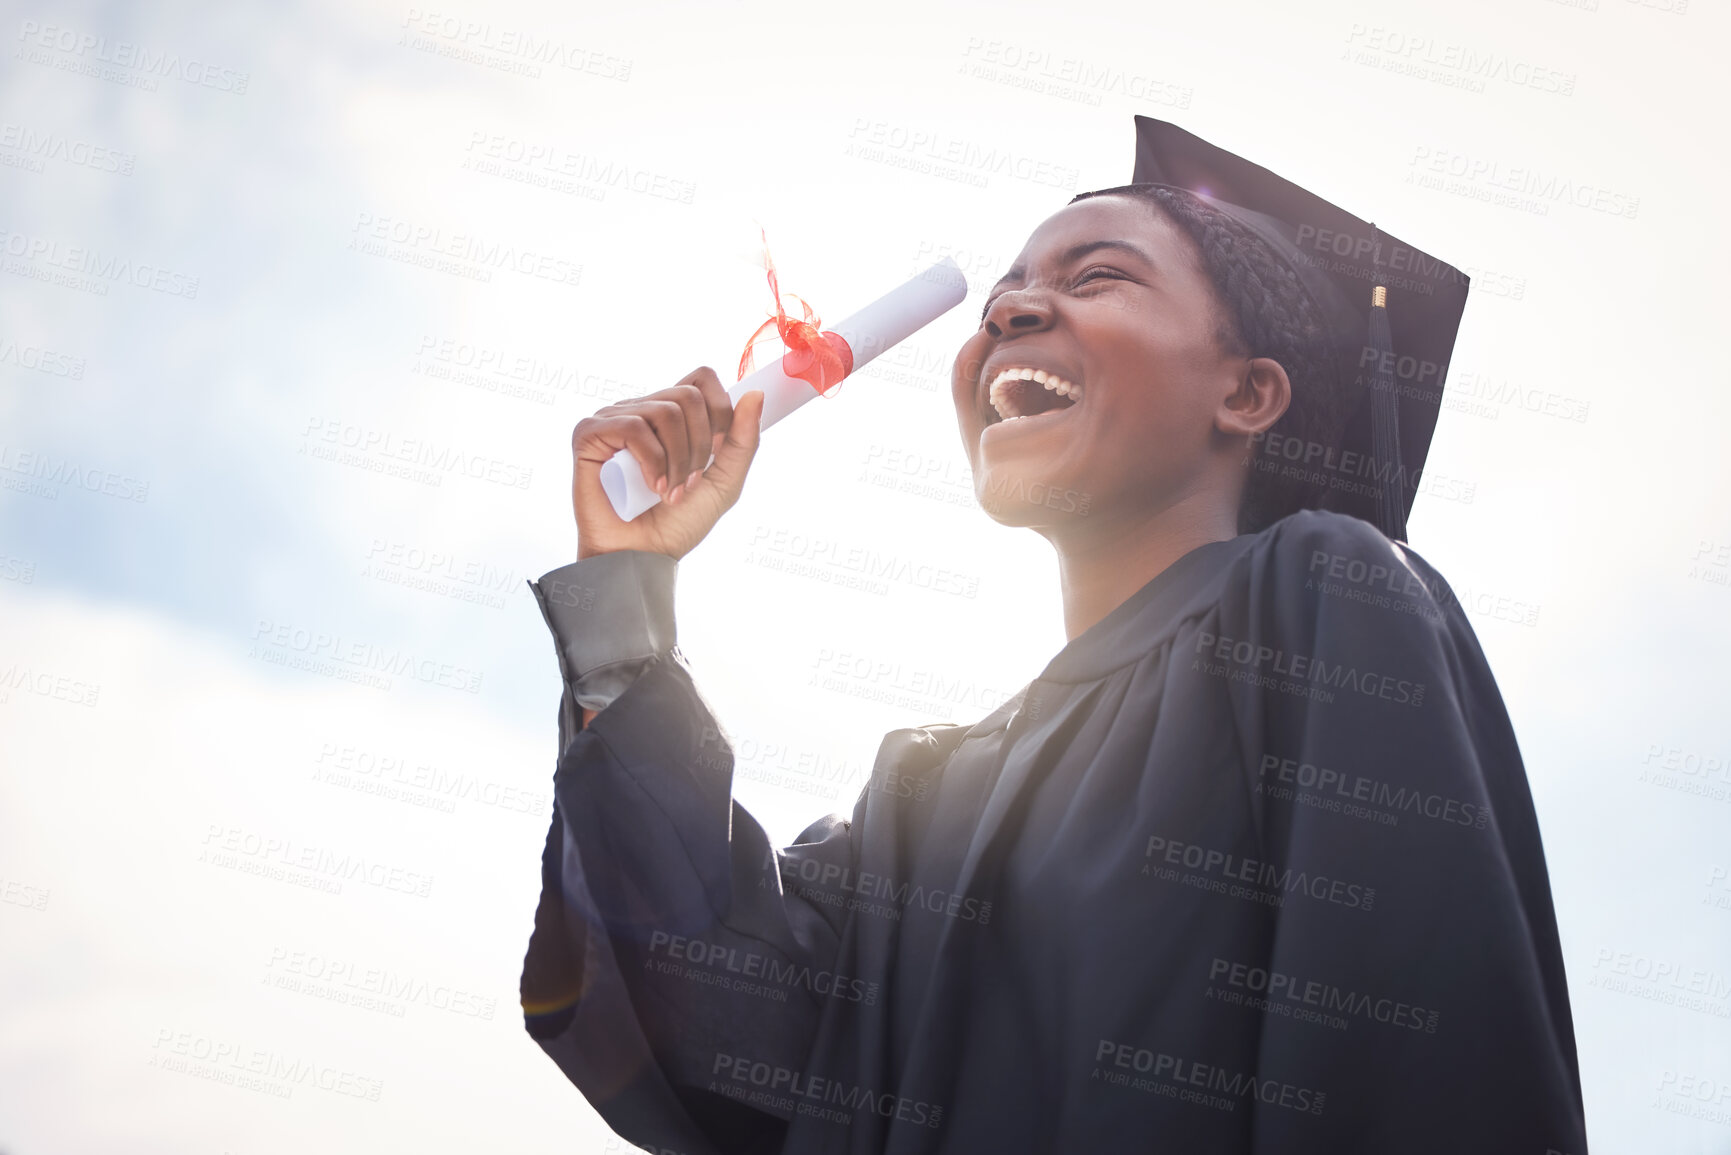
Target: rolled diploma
{"points": [[884, 323]]}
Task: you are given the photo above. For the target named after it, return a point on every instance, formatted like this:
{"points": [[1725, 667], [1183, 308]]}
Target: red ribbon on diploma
{"points": [[819, 359]]}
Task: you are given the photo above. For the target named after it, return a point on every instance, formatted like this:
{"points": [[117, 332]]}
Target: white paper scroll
{"points": [[884, 323]]}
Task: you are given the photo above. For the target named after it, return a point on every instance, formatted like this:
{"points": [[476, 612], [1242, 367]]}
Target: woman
{"points": [[1251, 866]]}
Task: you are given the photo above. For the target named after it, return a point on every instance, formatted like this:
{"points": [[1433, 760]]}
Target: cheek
{"points": [[1166, 373], [966, 369], [1155, 413]]}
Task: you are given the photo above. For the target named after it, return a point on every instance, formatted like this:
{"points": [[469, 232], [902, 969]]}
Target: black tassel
{"points": [[1385, 424]]}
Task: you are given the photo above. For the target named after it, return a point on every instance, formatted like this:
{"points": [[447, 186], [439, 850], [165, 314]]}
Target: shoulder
{"points": [[1333, 586], [1320, 539], [1314, 555]]}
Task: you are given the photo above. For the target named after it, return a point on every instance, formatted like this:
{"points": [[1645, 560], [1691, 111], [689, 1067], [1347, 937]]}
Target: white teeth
{"points": [[1040, 376], [997, 390]]}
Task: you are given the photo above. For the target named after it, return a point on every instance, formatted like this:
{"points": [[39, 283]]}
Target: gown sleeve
{"points": [[664, 947], [1394, 812]]}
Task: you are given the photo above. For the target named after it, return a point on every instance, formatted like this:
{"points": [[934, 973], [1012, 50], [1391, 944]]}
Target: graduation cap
{"points": [[1391, 309]]}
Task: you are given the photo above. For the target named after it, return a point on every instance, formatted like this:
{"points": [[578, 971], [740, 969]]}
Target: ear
{"points": [[1264, 392]]}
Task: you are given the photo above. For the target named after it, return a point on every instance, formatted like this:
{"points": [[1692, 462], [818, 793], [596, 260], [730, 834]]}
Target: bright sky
{"points": [[218, 227]]}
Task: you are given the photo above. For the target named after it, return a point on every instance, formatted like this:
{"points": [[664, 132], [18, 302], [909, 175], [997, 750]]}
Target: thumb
{"points": [[733, 456]]}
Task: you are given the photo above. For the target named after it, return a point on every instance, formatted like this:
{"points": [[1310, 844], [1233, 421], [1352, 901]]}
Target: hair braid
{"points": [[1265, 312]]}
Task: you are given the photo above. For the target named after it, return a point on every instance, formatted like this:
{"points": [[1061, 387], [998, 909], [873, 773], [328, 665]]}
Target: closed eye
{"points": [[1083, 278], [1101, 270]]}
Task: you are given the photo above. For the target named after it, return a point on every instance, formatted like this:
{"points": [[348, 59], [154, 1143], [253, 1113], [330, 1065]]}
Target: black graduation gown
{"points": [[1252, 866]]}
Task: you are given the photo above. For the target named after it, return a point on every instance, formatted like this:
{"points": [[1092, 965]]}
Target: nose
{"points": [[1018, 311]]}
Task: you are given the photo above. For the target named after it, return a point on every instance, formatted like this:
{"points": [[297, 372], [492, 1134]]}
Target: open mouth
{"points": [[1017, 394]]}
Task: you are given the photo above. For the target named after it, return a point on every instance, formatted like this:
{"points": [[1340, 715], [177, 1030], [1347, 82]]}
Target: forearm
{"points": [[650, 873]]}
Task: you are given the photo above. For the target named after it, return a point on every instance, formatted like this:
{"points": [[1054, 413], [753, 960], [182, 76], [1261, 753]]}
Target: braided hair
{"points": [[1265, 312]]}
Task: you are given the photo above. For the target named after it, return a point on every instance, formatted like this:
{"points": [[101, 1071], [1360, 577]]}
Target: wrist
{"points": [[585, 552]]}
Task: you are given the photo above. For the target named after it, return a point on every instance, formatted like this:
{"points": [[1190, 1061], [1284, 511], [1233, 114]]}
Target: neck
{"points": [[1100, 565]]}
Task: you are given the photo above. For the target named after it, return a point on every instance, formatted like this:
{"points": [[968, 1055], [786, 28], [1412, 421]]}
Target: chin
{"points": [[1016, 498]]}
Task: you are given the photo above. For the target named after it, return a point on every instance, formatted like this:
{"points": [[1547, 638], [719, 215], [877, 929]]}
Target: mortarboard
{"points": [[1392, 310]]}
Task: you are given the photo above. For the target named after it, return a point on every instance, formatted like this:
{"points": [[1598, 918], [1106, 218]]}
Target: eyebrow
{"points": [[1074, 253]]}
